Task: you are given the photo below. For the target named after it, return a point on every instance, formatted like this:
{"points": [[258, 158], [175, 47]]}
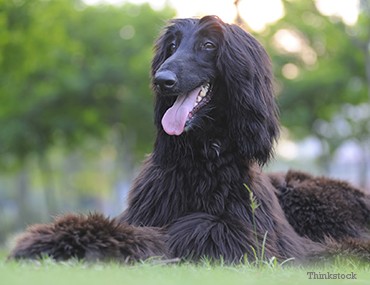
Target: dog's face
{"points": [[188, 71], [214, 78]]}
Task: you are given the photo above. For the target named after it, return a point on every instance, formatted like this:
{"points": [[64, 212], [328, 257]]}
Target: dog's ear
{"points": [[245, 69]]}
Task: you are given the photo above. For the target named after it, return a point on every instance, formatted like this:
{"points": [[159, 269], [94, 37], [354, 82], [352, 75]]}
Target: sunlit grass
{"points": [[76, 272]]}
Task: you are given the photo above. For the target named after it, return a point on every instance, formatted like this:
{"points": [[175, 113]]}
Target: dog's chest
{"points": [[209, 180]]}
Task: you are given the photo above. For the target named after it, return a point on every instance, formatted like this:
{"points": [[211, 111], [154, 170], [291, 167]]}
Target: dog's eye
{"points": [[172, 48], [209, 46]]}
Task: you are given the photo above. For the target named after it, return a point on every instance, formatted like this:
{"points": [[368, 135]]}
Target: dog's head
{"points": [[215, 77]]}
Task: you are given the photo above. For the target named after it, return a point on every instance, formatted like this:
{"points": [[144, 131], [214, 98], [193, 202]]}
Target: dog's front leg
{"points": [[201, 235]]}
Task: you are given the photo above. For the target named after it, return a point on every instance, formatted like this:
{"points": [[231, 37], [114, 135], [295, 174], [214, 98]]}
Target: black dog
{"points": [[201, 193]]}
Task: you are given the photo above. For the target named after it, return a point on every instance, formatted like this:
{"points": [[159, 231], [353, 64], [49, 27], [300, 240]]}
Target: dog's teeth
{"points": [[202, 94], [204, 90]]}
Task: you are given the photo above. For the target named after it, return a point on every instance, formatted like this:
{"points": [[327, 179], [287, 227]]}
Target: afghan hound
{"points": [[201, 193]]}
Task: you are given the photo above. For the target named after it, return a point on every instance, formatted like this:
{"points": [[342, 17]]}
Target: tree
{"points": [[70, 73]]}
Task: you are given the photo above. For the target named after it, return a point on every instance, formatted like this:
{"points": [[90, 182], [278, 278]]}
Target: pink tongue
{"points": [[173, 121]]}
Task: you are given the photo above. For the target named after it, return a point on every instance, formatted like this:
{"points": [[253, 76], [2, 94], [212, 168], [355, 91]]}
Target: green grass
{"points": [[51, 273]]}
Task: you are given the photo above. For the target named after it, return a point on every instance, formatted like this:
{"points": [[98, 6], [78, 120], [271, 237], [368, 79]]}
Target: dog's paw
{"points": [[92, 237], [36, 242]]}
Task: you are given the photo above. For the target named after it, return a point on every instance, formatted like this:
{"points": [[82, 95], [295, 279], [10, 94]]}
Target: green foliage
{"points": [[322, 71], [259, 253], [69, 72]]}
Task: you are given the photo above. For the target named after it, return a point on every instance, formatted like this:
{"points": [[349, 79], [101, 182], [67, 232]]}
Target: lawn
{"points": [[51, 273]]}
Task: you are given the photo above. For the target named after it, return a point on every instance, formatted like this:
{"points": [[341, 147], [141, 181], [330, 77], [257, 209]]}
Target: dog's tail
{"points": [[92, 237]]}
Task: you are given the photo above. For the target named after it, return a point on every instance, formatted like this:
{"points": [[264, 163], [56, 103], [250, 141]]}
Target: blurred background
{"points": [[76, 107]]}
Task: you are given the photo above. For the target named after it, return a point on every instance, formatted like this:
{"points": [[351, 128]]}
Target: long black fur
{"points": [[194, 195]]}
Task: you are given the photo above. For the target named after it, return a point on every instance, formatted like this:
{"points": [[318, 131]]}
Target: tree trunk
{"points": [[24, 216], [52, 205], [365, 167]]}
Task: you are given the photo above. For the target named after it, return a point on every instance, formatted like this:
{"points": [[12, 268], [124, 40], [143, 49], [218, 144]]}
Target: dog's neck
{"points": [[170, 150]]}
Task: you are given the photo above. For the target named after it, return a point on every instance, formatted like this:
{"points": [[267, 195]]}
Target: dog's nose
{"points": [[165, 80]]}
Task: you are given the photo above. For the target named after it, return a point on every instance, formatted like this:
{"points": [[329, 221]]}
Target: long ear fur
{"points": [[253, 115]]}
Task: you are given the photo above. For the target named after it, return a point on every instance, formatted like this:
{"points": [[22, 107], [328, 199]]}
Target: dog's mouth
{"points": [[179, 117]]}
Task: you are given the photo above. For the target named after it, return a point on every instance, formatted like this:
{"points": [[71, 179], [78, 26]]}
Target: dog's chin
{"points": [[182, 116]]}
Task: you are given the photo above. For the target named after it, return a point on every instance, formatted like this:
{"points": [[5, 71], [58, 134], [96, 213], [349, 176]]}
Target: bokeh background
{"points": [[76, 107]]}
